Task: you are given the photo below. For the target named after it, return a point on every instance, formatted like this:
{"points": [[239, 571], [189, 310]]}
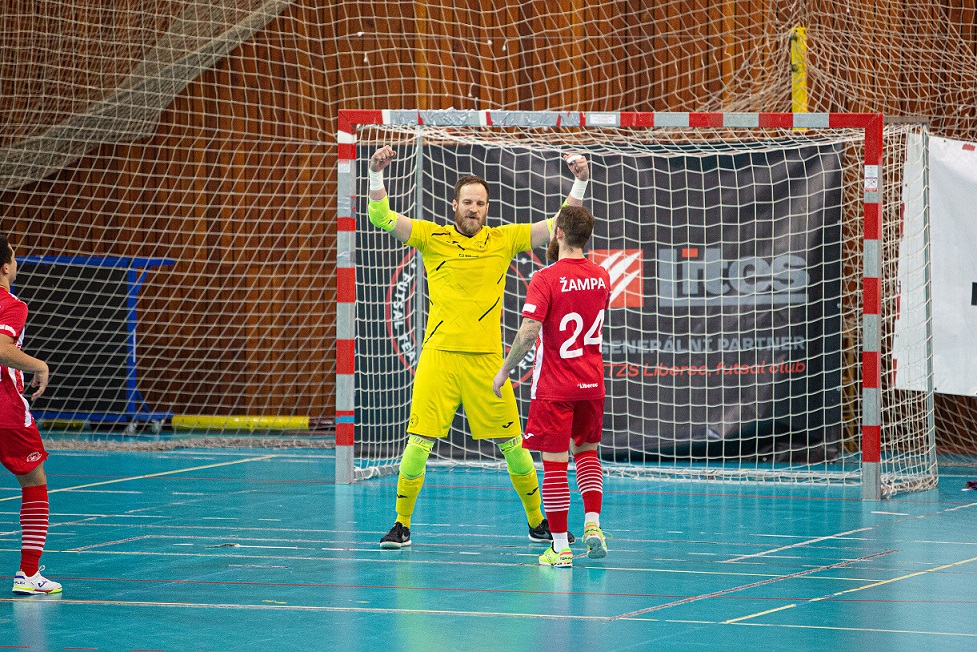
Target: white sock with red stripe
{"points": [[590, 482], [34, 524], [556, 497]]}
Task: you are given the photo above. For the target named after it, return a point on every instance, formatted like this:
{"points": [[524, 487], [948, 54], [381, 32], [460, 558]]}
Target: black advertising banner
{"points": [[724, 333], [733, 345]]}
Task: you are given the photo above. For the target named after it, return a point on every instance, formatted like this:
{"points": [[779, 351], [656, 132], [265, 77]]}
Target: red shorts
{"points": [[21, 449], [551, 424]]}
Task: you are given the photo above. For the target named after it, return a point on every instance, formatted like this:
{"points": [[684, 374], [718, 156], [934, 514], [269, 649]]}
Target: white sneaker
{"points": [[36, 583]]}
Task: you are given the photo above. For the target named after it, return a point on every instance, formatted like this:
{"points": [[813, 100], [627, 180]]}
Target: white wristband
{"points": [[376, 180], [578, 189]]}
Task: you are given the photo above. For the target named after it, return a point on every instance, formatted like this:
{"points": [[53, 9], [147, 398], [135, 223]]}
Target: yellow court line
{"points": [[772, 580], [897, 579], [838, 628], [757, 615], [151, 475], [855, 590]]}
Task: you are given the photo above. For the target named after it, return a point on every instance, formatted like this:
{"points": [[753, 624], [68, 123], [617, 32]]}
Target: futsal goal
{"points": [[755, 286]]}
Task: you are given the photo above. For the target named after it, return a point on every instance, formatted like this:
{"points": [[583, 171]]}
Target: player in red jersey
{"points": [[21, 449], [563, 317]]}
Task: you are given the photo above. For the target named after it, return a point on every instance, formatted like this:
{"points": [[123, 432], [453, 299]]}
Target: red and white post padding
{"points": [[872, 123]]}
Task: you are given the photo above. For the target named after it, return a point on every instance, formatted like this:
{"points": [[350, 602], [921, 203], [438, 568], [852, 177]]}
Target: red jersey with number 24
{"points": [[569, 297]]}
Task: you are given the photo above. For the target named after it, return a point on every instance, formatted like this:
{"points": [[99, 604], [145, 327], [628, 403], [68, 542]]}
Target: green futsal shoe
{"points": [[593, 536], [562, 559]]}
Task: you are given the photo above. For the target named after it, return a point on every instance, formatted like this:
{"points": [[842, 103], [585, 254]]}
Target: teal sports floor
{"points": [[257, 549]]}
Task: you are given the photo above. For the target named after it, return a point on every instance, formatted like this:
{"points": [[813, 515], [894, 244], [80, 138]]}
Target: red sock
{"points": [[33, 524], [556, 495], [590, 480]]}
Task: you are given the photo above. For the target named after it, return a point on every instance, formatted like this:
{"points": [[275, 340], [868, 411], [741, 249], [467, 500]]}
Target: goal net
{"points": [[169, 167], [750, 308]]}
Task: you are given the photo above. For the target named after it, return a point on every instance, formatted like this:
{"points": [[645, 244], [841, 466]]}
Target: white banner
{"points": [[953, 268]]}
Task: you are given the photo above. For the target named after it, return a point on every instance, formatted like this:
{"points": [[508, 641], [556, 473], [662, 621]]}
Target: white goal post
{"points": [[754, 260]]}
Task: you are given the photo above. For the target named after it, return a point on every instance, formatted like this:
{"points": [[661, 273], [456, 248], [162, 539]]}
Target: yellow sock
{"points": [[523, 475], [407, 491], [527, 486], [411, 477]]}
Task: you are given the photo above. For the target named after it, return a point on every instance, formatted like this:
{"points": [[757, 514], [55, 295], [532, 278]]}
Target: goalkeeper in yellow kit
{"points": [[466, 267]]}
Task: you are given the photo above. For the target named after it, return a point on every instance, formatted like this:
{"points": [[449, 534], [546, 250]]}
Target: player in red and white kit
{"points": [[563, 317], [21, 449]]}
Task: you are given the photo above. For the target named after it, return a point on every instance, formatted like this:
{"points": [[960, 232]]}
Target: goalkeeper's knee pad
{"points": [[518, 459], [414, 459]]}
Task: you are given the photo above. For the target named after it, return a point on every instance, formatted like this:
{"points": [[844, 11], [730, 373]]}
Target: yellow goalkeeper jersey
{"points": [[466, 281]]}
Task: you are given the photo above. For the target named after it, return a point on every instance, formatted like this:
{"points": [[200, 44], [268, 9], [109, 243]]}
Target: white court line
{"points": [[846, 534], [110, 543], [280, 606], [106, 491], [396, 559], [871, 585], [191, 452], [753, 585], [806, 542], [152, 475], [443, 612], [953, 509]]}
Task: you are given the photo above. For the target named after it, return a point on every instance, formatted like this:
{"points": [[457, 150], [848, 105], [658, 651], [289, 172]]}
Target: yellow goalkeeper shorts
{"points": [[446, 379]]}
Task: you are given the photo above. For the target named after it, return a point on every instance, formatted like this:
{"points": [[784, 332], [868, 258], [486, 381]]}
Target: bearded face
{"points": [[471, 209], [553, 249]]}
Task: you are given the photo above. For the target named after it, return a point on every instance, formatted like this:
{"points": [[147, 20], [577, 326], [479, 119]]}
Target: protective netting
{"points": [[191, 143]]}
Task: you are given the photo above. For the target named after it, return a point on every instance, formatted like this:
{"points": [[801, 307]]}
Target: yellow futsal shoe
{"points": [[593, 536], [562, 559]]}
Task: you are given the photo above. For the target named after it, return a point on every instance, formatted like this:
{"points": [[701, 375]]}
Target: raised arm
{"points": [[525, 339], [578, 165], [379, 211]]}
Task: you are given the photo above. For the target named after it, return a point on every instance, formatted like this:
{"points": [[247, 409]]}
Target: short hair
{"points": [[577, 224], [6, 251], [468, 180]]}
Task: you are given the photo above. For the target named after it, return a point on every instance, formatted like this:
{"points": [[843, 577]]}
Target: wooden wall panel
{"points": [[238, 181], [602, 56], [639, 36]]}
